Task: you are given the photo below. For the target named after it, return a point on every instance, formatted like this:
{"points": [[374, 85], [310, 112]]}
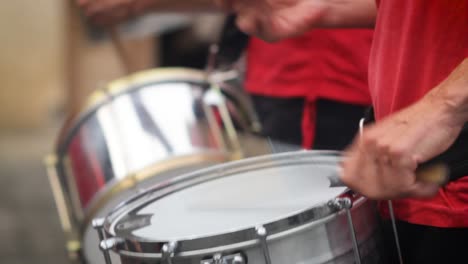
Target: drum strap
{"points": [[456, 157]]}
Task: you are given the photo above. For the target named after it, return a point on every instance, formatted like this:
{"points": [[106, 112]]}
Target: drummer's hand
{"points": [[111, 12], [381, 163], [274, 19]]}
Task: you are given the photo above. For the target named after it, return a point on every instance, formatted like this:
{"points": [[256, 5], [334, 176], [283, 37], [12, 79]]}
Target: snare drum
{"points": [[274, 209], [140, 130]]}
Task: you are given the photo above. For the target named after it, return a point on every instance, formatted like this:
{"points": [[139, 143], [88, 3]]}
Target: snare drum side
{"points": [[327, 240]]}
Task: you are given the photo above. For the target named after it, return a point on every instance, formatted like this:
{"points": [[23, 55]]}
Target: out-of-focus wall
{"points": [[32, 63], [48, 63]]}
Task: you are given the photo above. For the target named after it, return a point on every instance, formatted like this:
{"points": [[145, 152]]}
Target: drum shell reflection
{"points": [[133, 127]]}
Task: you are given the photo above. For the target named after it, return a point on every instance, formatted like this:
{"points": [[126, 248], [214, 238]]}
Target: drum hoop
{"points": [[120, 86], [277, 226], [111, 189], [243, 245]]}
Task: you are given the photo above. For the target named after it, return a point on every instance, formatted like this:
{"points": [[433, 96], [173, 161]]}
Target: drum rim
{"points": [[115, 187], [305, 216], [101, 96], [358, 201]]}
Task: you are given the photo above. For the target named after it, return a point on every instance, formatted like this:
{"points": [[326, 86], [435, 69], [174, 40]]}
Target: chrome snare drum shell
{"points": [[137, 131], [315, 233]]}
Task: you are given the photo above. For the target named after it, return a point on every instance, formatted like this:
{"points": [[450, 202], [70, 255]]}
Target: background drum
{"points": [[272, 209], [143, 129]]}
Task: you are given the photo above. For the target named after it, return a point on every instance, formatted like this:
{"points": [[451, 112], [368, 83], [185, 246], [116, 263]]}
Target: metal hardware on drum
{"points": [[98, 225], [221, 104], [217, 259], [347, 204], [341, 203], [395, 231], [352, 231], [238, 260], [107, 245], [262, 236], [214, 98], [168, 251], [228, 259]]}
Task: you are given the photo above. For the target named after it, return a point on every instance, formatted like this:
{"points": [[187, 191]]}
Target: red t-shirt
{"points": [[329, 64], [416, 45]]}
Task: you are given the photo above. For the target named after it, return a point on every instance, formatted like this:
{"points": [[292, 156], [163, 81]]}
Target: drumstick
{"points": [[433, 173], [122, 52]]}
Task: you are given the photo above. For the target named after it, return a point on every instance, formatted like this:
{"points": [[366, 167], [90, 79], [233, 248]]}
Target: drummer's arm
{"points": [[178, 5], [276, 19], [351, 13], [110, 12]]}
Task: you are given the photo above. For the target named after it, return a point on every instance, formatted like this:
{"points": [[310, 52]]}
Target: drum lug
{"points": [[229, 259], [98, 223], [105, 244], [262, 236], [346, 204], [168, 251], [108, 244], [341, 203]]}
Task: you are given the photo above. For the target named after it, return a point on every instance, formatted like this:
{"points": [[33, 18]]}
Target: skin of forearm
{"points": [[453, 93], [340, 13], [180, 6], [348, 14]]}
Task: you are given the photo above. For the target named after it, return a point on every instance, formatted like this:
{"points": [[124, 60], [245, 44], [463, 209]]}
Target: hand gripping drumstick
{"points": [[430, 173]]}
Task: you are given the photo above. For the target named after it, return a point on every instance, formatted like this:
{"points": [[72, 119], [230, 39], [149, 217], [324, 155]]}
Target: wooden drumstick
{"points": [[123, 53], [434, 173], [437, 173]]}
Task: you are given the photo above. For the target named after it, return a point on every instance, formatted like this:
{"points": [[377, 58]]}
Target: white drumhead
{"points": [[234, 202]]}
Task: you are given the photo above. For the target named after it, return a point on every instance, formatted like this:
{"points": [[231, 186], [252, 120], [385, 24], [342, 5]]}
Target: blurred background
{"points": [[50, 61]]}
